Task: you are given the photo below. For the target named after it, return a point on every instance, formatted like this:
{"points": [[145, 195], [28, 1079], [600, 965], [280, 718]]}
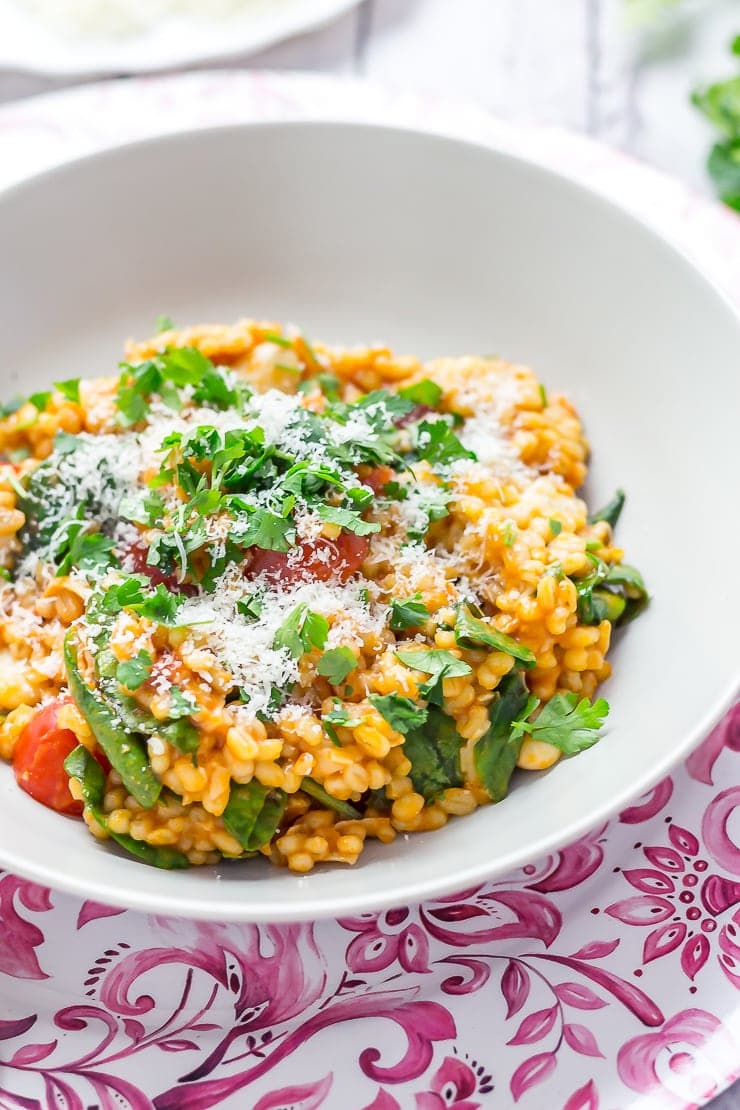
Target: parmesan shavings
{"points": [[245, 648]]}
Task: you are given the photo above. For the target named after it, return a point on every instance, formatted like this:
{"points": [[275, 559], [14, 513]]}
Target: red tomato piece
{"points": [[320, 560], [136, 552], [38, 760], [378, 477]]}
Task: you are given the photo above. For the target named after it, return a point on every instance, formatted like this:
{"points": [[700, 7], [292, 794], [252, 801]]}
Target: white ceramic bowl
{"points": [[437, 247]]}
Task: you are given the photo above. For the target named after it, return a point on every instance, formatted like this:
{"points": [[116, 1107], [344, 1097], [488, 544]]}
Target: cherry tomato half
{"points": [[137, 553], [38, 760], [378, 477], [320, 560]]}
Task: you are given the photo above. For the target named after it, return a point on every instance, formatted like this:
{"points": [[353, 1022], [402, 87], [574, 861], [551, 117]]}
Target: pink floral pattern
{"points": [[604, 973]]}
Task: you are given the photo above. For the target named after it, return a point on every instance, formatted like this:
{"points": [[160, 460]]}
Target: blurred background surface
{"points": [[620, 71]]}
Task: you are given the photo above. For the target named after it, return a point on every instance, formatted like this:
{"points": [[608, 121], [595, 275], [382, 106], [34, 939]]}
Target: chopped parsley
{"points": [[543, 395], [268, 531], [250, 607], [437, 443], [409, 612], [40, 400], [336, 664], [509, 534], [163, 323], [339, 717], [69, 389], [570, 724], [555, 526], [426, 392], [91, 552], [166, 375], [346, 518], [302, 631], [181, 705], [158, 605], [401, 713], [438, 663], [134, 672]]}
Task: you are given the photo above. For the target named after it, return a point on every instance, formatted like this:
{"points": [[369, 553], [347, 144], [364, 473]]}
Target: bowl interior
{"points": [[435, 247]]}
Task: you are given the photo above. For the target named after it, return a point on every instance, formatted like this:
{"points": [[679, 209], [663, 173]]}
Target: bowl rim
{"points": [[230, 910]]}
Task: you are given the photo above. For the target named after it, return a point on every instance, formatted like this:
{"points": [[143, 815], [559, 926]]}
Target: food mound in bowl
{"points": [[264, 597]]}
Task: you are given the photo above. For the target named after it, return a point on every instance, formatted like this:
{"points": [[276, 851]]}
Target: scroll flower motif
{"points": [[451, 1087], [682, 1060], [384, 939]]}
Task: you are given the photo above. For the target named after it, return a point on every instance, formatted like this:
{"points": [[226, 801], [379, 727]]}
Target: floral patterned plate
{"points": [[604, 977]]}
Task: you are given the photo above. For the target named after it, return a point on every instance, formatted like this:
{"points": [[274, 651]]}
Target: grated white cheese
{"points": [[483, 435], [245, 648]]}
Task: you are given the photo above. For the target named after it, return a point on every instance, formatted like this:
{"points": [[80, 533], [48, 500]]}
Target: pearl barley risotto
{"points": [[264, 597]]}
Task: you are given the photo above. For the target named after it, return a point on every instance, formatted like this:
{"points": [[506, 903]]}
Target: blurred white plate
{"points": [[28, 43]]}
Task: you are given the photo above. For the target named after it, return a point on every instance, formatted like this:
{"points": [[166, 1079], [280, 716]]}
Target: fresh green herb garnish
{"points": [[336, 664], [555, 526], [408, 612], [437, 443], [509, 534], [250, 607], [268, 531], [339, 717], [69, 389], [40, 400], [181, 705], [302, 631], [401, 713], [426, 392], [163, 323], [276, 699], [166, 374], [134, 672], [347, 519], [543, 395], [91, 552], [432, 501], [570, 724], [439, 664], [158, 605]]}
